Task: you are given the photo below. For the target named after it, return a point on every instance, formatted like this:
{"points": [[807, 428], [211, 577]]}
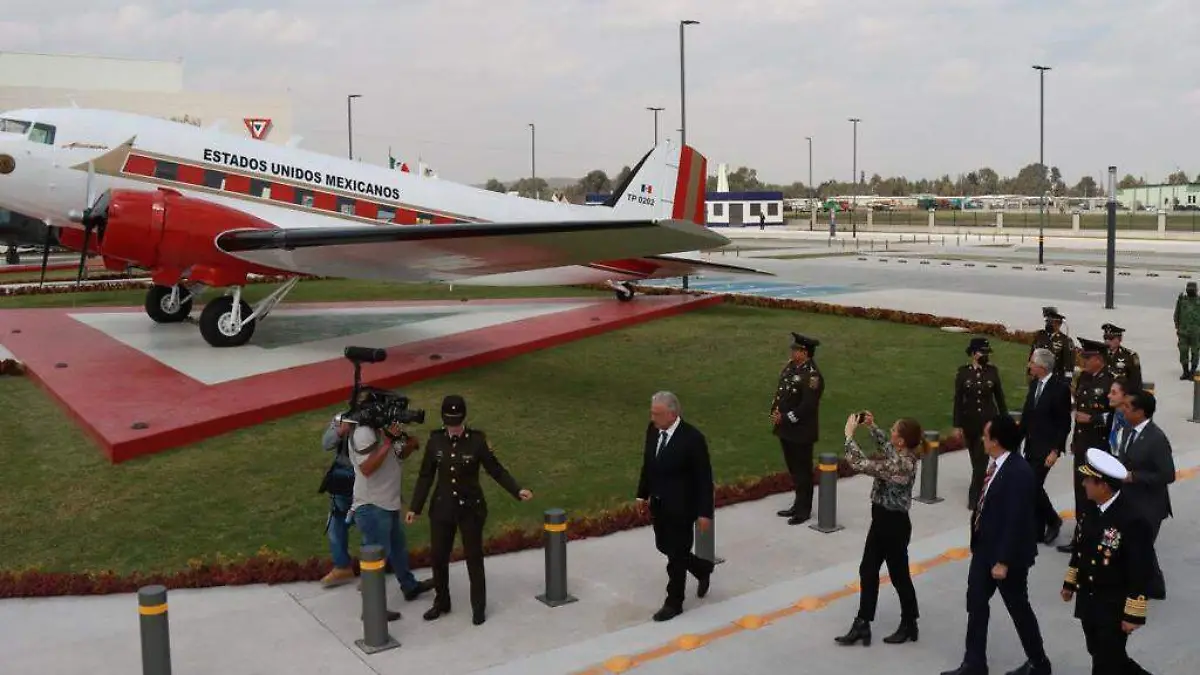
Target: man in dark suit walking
{"points": [[677, 484], [1146, 453], [1003, 549], [1045, 427]]}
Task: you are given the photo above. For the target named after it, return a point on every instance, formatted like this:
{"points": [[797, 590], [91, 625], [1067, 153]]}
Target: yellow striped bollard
{"points": [[827, 499], [929, 470], [374, 602], [555, 539], [156, 634]]}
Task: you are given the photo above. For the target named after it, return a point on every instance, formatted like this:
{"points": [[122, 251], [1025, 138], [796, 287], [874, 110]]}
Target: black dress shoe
{"points": [[478, 617], [786, 513], [667, 613], [799, 518], [702, 584], [1052, 534], [1028, 668], [391, 616], [1066, 548], [436, 611], [416, 592]]}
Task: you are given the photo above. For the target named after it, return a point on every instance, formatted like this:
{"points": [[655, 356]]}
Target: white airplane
{"points": [[202, 209]]}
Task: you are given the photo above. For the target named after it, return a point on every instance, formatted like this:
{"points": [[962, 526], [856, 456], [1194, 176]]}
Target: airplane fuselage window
{"points": [[43, 133], [11, 126]]}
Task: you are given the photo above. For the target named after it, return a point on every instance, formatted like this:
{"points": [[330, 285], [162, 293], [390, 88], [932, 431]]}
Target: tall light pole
{"points": [[537, 194], [682, 83], [655, 111], [1041, 157], [683, 105], [812, 191], [854, 163], [350, 126]]}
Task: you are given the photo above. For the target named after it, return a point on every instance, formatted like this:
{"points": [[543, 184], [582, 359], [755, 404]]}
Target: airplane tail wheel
{"points": [[163, 306], [625, 292], [217, 325]]}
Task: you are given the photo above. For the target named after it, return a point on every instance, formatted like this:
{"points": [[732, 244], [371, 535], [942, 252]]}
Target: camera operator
{"points": [[338, 483], [377, 451]]}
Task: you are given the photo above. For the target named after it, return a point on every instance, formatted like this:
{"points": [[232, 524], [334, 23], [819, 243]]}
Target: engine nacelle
{"points": [[170, 234]]}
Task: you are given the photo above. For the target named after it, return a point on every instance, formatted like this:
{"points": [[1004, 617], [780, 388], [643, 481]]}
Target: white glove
{"points": [[792, 418]]}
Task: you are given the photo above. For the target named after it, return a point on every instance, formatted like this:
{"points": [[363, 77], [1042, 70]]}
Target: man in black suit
{"points": [[677, 484], [1146, 453], [1003, 549], [1045, 427]]}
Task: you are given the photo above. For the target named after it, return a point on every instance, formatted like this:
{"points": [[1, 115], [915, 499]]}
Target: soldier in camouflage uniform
{"points": [[1092, 412], [1187, 328], [1121, 362], [794, 413], [1051, 337]]}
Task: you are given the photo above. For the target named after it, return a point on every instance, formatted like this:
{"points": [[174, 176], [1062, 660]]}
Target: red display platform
{"points": [[135, 404]]}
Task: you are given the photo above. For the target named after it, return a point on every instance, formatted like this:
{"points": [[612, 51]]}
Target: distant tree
{"points": [[621, 176], [1130, 182], [1086, 187], [595, 182], [989, 181], [1177, 178], [495, 185]]}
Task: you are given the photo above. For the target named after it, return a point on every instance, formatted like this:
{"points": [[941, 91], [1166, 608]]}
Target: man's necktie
{"points": [[1037, 396], [1125, 442], [662, 442], [987, 479]]}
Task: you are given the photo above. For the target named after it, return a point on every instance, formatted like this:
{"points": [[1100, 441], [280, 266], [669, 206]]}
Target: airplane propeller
{"points": [[94, 218]]}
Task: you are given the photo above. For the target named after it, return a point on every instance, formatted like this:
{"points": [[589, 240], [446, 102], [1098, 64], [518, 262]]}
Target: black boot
{"points": [[907, 631], [859, 630]]}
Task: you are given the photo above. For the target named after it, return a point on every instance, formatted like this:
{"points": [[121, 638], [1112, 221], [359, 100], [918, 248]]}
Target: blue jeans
{"points": [[339, 530], [381, 527]]}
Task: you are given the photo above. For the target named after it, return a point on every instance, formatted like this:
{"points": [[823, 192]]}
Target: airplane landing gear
{"points": [[623, 289], [168, 304], [222, 323]]}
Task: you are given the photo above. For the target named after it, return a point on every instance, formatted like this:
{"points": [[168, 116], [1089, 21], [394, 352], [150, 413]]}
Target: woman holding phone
{"points": [[894, 471]]}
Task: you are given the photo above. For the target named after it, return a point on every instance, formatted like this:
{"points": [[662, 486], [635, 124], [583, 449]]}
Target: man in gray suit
{"points": [[1146, 453]]}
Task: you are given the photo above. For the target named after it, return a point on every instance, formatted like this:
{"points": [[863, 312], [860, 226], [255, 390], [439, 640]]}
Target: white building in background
{"points": [[154, 88]]}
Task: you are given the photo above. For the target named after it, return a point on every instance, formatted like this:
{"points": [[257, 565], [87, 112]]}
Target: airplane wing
{"points": [[674, 265], [462, 250]]}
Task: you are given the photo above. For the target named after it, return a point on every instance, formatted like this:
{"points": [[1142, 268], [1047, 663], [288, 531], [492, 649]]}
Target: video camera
{"points": [[372, 406]]}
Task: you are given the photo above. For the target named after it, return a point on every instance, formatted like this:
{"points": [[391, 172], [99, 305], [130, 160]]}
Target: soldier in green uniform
{"points": [[1120, 361], [1110, 568], [1092, 417], [794, 413], [978, 397], [1187, 329], [1051, 337], [453, 456]]}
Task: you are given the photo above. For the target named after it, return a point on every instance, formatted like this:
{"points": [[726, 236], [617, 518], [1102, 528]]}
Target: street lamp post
{"points": [[854, 207], [537, 194], [812, 191], [655, 111], [683, 100], [682, 87], [1041, 157], [350, 126]]}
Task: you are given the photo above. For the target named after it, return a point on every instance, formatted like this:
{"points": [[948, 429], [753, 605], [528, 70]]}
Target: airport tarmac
{"points": [[769, 568]]}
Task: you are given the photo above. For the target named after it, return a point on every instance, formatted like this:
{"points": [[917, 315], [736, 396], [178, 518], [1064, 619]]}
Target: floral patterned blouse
{"points": [[895, 472]]}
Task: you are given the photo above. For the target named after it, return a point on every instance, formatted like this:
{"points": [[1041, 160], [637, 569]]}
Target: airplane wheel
{"points": [[625, 294], [160, 307], [216, 323]]}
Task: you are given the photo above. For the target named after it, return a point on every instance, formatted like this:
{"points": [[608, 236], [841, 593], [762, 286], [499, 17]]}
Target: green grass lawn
{"points": [[568, 422]]}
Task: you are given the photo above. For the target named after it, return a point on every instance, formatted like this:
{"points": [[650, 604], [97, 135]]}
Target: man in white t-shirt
{"points": [[377, 503]]}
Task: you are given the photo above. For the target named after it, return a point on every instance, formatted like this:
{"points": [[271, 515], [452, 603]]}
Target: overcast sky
{"points": [[942, 86]]}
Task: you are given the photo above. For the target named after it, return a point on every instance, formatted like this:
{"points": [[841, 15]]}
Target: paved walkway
{"points": [[619, 580]]}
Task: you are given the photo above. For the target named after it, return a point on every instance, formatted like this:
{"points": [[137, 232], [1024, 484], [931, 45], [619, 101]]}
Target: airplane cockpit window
{"points": [[11, 126], [43, 133]]}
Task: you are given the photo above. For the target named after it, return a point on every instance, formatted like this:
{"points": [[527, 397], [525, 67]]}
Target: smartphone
{"points": [[862, 417]]}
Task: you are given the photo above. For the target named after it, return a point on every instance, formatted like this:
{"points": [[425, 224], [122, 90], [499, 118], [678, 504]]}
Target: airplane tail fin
{"points": [[668, 183]]}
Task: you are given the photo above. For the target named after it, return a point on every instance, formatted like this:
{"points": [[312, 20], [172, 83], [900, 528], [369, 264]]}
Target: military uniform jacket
{"points": [[798, 400], [1091, 397], [454, 464], [978, 397], [1112, 564], [1060, 345], [1124, 363]]}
